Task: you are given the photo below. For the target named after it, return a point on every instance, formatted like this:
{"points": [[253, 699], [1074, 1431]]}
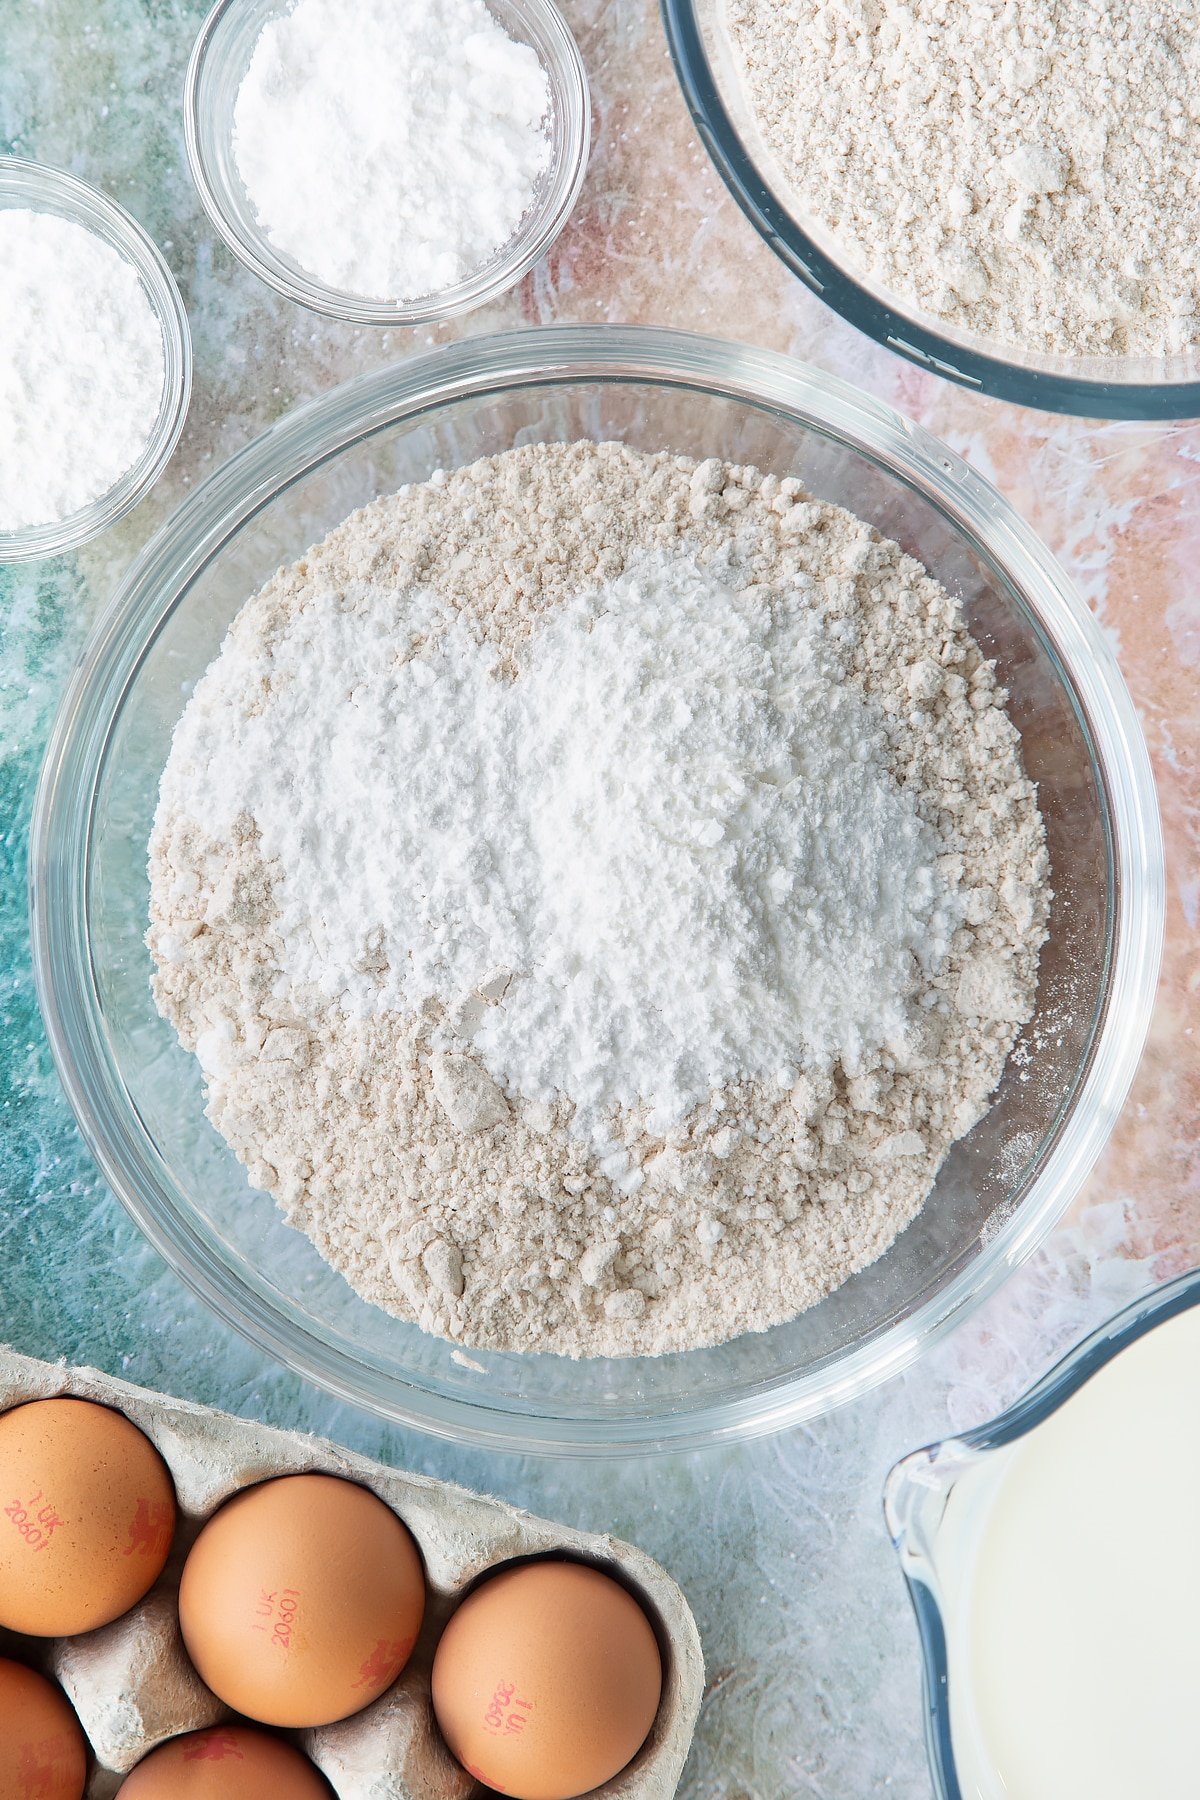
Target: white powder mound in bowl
{"points": [[675, 837], [598, 889], [82, 368], [391, 147]]}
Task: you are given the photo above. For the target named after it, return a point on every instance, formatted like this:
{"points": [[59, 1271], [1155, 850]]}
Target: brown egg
{"points": [[230, 1762], [547, 1680], [87, 1515], [301, 1600], [43, 1751]]}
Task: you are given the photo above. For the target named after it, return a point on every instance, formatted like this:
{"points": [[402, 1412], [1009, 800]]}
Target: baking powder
{"points": [[391, 147]]}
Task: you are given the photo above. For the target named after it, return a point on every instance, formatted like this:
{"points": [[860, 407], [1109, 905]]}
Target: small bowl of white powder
{"points": [[95, 362], [390, 162]]}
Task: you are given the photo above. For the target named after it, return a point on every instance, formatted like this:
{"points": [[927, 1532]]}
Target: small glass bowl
{"points": [[138, 1094], [919, 1487], [1093, 387], [215, 73], [33, 186]]}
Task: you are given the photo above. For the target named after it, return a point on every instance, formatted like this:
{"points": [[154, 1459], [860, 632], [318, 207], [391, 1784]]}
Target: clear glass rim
{"points": [[319, 430], [914, 1478], [1117, 397], [532, 239], [46, 189]]}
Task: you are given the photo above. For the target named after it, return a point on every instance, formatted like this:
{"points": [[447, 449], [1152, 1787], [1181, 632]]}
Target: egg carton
{"points": [[131, 1682]]}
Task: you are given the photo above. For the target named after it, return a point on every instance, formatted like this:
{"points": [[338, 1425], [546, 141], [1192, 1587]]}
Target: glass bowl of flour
{"points": [[1005, 198], [394, 163], [466, 410], [114, 376]]}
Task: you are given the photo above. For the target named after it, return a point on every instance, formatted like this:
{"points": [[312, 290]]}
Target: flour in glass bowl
{"points": [[598, 889], [1028, 170], [391, 147]]}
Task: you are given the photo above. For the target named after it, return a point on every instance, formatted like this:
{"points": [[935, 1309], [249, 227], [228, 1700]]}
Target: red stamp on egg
{"points": [[507, 1714], [151, 1529], [35, 1520], [386, 1659], [214, 1746]]}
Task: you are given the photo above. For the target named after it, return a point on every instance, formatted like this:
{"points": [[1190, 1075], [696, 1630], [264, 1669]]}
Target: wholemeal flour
{"points": [[1026, 171], [598, 890]]}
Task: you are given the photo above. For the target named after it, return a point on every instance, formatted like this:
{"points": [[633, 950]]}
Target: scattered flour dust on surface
{"points": [[598, 889]]}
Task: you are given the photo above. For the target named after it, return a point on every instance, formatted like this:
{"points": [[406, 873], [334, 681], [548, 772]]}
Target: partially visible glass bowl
{"points": [[1095, 387], [219, 61], [33, 186], [918, 1490], [137, 1094]]}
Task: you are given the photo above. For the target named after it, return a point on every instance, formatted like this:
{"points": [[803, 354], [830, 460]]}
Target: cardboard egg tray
{"points": [[131, 1682]]}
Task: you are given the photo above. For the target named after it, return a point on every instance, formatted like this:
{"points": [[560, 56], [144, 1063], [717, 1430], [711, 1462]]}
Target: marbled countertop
{"points": [[814, 1674]]}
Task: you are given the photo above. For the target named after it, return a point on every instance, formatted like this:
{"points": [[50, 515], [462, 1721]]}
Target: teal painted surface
{"points": [[812, 1658]]}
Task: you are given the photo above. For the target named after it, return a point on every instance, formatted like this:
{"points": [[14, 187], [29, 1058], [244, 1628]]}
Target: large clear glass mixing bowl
{"points": [[137, 1095]]}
